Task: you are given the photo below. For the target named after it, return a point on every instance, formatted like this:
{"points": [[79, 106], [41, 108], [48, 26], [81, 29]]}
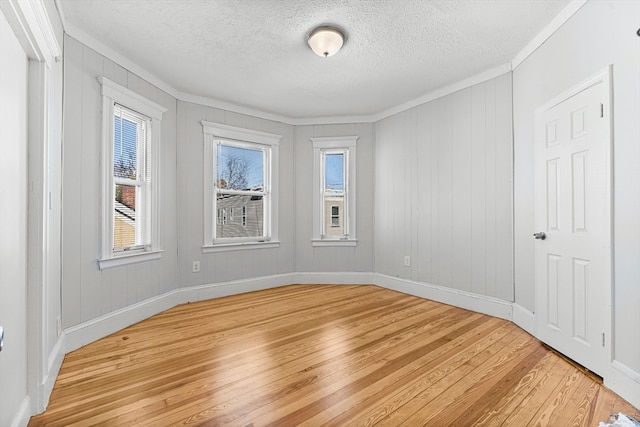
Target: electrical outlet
{"points": [[195, 267], [407, 261]]}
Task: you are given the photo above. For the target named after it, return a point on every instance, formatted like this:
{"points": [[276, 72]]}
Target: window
{"points": [[240, 172], [131, 136], [334, 162], [335, 216]]}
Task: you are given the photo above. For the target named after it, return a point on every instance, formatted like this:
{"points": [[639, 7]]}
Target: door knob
{"points": [[539, 235]]}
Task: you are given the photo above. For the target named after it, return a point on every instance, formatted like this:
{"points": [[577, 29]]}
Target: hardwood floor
{"points": [[309, 355]]}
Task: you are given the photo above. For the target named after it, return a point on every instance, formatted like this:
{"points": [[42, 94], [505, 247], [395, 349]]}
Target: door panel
{"points": [[572, 203]]}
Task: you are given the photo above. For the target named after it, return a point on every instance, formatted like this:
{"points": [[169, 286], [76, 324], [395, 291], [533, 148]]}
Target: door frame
{"points": [[604, 77], [34, 30]]}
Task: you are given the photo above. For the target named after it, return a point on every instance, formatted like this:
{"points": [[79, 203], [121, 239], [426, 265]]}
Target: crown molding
{"points": [[446, 90], [133, 67], [557, 22]]}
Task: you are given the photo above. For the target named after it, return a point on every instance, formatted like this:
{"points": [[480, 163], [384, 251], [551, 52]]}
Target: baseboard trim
{"points": [[524, 319], [478, 303], [234, 287], [344, 278], [54, 364], [94, 329], [23, 414], [622, 380], [625, 382]]}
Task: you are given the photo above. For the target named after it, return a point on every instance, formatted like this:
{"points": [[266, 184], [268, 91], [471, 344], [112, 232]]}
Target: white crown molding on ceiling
{"points": [[80, 35], [565, 14]]}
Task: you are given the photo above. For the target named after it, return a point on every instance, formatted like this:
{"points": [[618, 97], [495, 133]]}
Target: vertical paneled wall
{"points": [[334, 259], [238, 264], [88, 292], [443, 191]]}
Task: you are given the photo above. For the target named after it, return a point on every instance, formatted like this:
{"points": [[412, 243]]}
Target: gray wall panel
{"points": [[88, 292], [443, 185]]}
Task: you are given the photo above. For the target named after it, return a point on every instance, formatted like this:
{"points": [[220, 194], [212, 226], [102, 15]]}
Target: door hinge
{"points": [[603, 339], [601, 110]]}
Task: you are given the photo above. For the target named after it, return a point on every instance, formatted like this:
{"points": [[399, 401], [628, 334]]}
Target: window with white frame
{"points": [[130, 162], [240, 172], [334, 163]]}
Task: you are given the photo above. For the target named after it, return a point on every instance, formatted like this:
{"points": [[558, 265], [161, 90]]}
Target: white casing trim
{"points": [[23, 415], [33, 29]]}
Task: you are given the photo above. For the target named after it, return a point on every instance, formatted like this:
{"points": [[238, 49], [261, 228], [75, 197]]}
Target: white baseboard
{"points": [[524, 319], [94, 329], [622, 379], [478, 303], [53, 368], [234, 287], [625, 382], [344, 278], [23, 414]]}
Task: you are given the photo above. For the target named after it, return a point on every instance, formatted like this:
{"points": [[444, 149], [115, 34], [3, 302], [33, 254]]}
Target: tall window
{"points": [[240, 172], [334, 191], [131, 179], [131, 136]]}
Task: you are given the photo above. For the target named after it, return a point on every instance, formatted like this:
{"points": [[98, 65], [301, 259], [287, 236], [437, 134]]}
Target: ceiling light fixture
{"points": [[326, 41]]}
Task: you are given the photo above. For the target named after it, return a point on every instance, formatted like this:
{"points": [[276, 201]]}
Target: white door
{"points": [[572, 199]]}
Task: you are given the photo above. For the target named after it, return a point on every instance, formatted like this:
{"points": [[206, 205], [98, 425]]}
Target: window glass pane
{"points": [[239, 168], [124, 217], [334, 172], [125, 137], [333, 223], [250, 224]]}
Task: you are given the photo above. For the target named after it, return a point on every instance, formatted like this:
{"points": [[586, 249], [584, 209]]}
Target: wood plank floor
{"points": [[311, 355]]}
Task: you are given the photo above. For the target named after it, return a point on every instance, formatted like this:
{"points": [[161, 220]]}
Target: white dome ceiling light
{"points": [[326, 41]]}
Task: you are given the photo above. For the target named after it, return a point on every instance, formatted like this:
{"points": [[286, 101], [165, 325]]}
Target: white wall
{"points": [[229, 265], [443, 191], [334, 259], [599, 34], [89, 293], [13, 224]]}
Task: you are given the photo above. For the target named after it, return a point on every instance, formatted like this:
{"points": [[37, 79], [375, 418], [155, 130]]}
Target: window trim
{"points": [[112, 94], [213, 133], [322, 146]]}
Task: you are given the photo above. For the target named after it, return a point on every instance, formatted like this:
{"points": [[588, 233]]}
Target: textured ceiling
{"points": [[253, 53]]}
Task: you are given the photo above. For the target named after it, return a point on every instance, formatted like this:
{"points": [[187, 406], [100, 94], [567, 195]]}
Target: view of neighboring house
{"points": [[124, 225], [239, 216], [334, 216]]}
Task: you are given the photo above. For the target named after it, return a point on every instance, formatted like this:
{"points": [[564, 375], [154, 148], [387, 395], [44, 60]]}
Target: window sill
{"points": [[239, 246], [126, 259], [333, 242]]}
